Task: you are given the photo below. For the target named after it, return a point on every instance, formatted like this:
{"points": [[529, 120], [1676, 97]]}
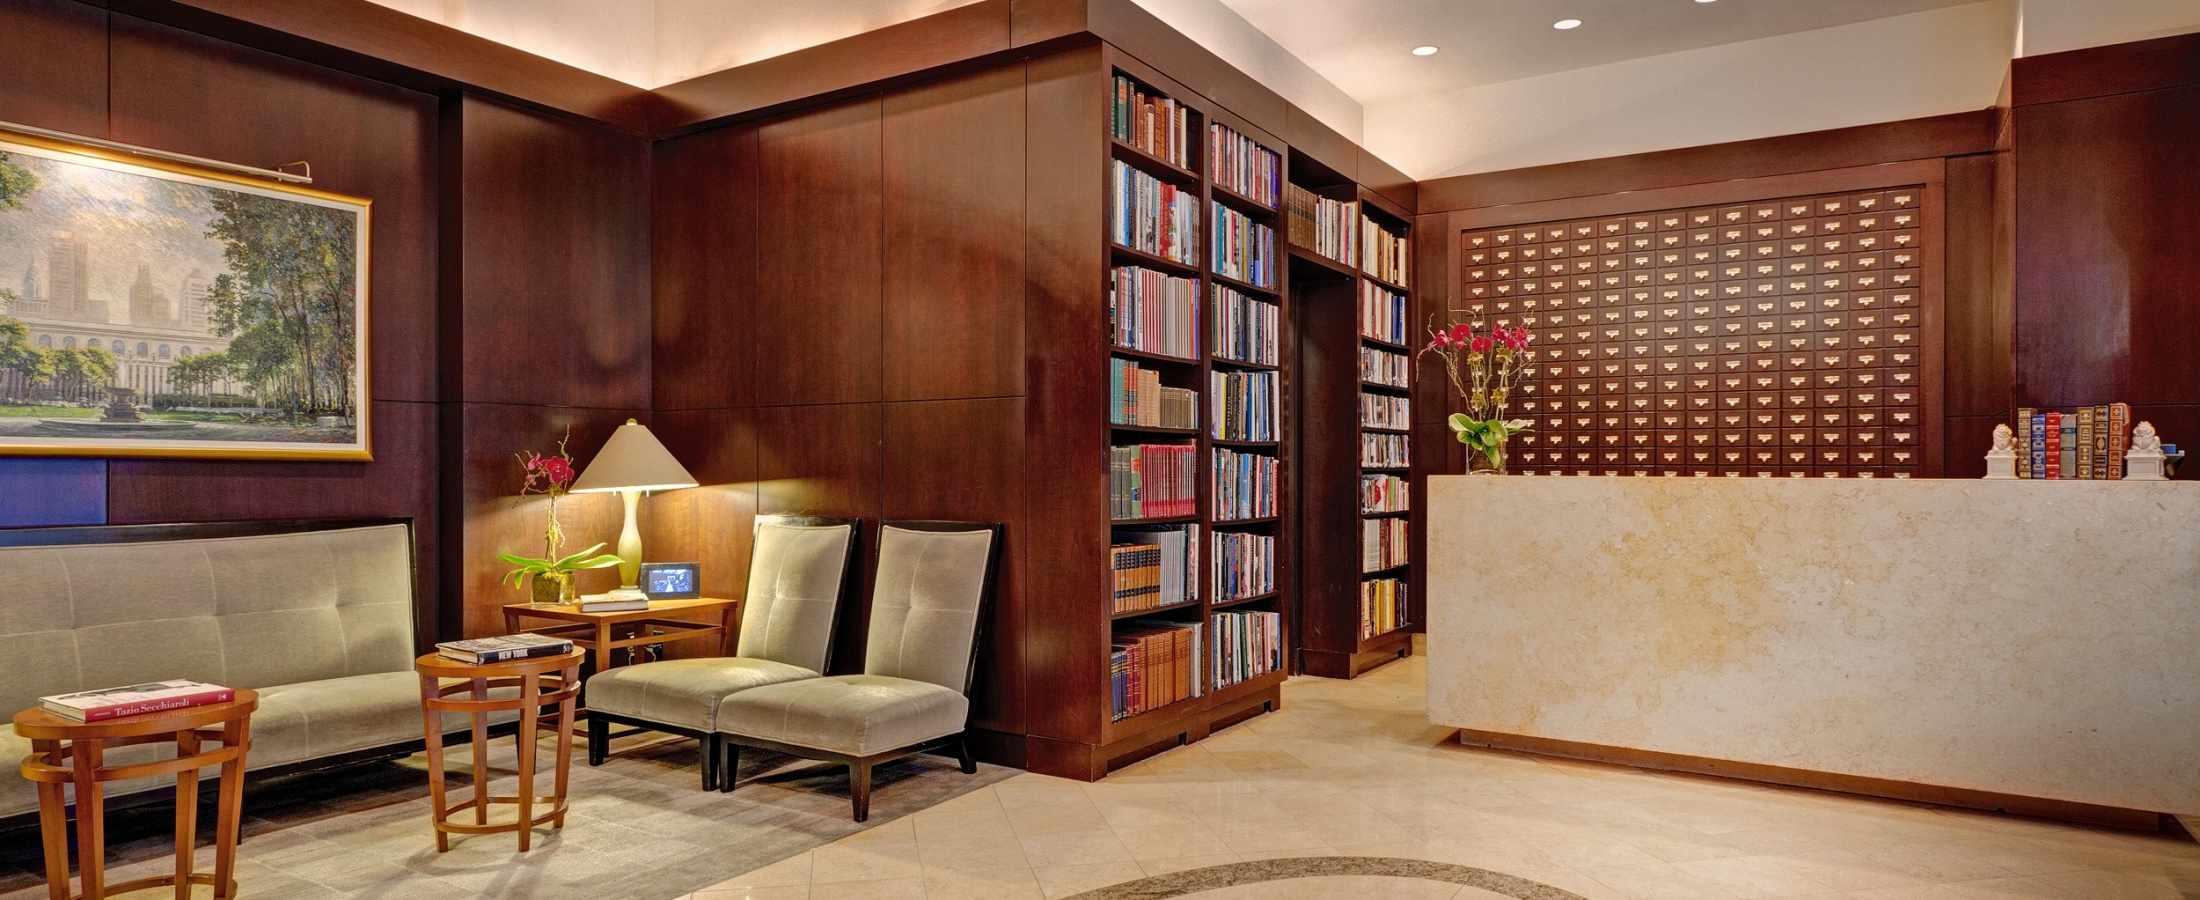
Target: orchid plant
{"points": [[1485, 369], [552, 476]]}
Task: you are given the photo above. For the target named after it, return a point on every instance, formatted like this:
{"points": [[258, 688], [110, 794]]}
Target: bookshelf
{"points": [[1233, 281], [1346, 406]]}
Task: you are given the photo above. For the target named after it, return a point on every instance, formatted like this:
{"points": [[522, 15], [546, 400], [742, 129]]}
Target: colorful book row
{"points": [[1385, 451], [1154, 664], [1247, 329], [1385, 411], [1389, 256], [1153, 312], [1383, 607], [1382, 544], [1245, 565], [1136, 396], [1154, 567], [1244, 485], [1379, 366], [1244, 405], [1150, 122], [1152, 216], [1383, 314], [1322, 225], [1383, 494], [1240, 164], [2084, 444], [1247, 646], [1148, 481], [1244, 249]]}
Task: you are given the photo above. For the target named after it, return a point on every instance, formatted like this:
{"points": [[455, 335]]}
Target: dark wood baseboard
{"points": [[1092, 762], [1990, 801], [1377, 653]]}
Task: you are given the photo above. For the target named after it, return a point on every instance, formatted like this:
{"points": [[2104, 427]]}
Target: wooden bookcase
{"points": [[1327, 295]]}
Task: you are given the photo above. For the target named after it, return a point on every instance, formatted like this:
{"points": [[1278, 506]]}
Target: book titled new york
{"points": [[135, 699], [501, 649]]}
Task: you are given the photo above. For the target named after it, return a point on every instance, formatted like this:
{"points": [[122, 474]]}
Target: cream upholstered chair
{"points": [[799, 569], [933, 587]]}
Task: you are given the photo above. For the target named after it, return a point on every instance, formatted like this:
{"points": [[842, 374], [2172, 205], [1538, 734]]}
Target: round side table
{"points": [[68, 752], [541, 681]]}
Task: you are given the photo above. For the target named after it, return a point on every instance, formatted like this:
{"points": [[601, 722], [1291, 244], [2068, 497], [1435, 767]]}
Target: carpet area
{"points": [[639, 826]]}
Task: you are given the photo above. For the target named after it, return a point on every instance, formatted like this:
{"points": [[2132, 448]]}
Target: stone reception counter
{"points": [[2003, 644]]}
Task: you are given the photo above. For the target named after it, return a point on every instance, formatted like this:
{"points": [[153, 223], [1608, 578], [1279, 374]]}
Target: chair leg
{"points": [[710, 762], [859, 788], [728, 765], [599, 739], [962, 755]]}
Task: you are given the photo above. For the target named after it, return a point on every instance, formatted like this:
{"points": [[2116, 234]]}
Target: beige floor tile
{"points": [[888, 889], [1074, 848], [1007, 883], [781, 892], [1186, 863], [1062, 881], [1756, 876], [1662, 881], [885, 862]]}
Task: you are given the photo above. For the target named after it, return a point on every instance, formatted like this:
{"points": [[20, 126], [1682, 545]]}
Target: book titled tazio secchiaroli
{"points": [[135, 699], [500, 649]]}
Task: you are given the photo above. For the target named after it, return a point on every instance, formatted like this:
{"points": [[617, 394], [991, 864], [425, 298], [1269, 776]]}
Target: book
{"points": [[1245, 405], [1385, 367], [501, 649], [1383, 606], [2054, 445], [1385, 451], [1152, 216], [1155, 567], [1152, 664], [1383, 314], [135, 699], [1136, 396], [1150, 122], [2068, 442], [1383, 493], [2119, 438], [2039, 444], [1383, 544], [1246, 329], [1243, 249], [1322, 225], [1153, 312], [1387, 255], [2100, 442], [1246, 646], [603, 603], [1152, 480], [2024, 441], [1385, 411], [1244, 484], [1244, 565], [1240, 164], [2084, 470]]}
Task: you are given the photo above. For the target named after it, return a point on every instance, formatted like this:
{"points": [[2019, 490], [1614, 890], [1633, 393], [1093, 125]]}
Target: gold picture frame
{"points": [[151, 308]]}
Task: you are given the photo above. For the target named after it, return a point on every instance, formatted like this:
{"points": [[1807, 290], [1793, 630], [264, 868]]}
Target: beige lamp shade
{"points": [[633, 460]]}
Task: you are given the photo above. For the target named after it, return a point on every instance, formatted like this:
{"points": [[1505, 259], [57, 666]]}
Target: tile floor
{"points": [[1354, 768]]}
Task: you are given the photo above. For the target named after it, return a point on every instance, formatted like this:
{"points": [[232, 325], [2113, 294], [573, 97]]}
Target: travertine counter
{"points": [[2035, 639]]}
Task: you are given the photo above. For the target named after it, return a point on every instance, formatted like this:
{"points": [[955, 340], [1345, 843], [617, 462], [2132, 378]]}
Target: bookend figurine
{"points": [[2143, 462], [2001, 461]]}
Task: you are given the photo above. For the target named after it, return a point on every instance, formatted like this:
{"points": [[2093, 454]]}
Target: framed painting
{"points": [[154, 309]]}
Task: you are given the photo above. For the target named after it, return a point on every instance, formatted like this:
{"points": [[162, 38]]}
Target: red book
{"points": [[2054, 445], [135, 699]]}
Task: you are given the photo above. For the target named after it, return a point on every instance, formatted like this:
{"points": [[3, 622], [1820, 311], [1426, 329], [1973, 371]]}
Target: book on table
{"points": [[135, 699], [503, 649], [615, 601]]}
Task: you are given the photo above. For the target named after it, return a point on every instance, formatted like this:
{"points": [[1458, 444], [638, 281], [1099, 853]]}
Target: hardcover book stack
{"points": [[1247, 645], [1383, 607], [1383, 314], [1147, 481], [1152, 216], [1385, 451], [1239, 164], [1385, 411], [1155, 124], [1153, 312], [1245, 565], [1382, 544], [500, 649], [1383, 493], [1154, 568], [1244, 249], [1244, 485], [1322, 225], [1244, 405], [1136, 396], [1388, 255], [1379, 366], [1154, 664], [1246, 329], [2083, 444], [135, 700]]}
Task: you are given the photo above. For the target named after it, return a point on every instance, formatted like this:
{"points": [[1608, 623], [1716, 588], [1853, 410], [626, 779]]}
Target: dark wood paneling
{"points": [[1035, 21], [1314, 139], [712, 524], [963, 460], [53, 492], [401, 482], [495, 519], [2102, 71], [704, 248], [1385, 179], [2108, 201], [826, 461], [192, 94], [1927, 138], [837, 67], [1325, 305], [1978, 306], [817, 302], [554, 226], [954, 290], [1968, 439], [53, 60], [1065, 642], [382, 43]]}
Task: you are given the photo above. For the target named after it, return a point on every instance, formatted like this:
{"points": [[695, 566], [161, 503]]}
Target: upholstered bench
{"points": [[316, 617]]}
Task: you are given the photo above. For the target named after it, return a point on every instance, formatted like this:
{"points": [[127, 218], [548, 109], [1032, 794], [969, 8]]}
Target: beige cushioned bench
{"points": [[319, 622]]}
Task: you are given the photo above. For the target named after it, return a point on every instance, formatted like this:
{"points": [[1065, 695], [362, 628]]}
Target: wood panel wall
{"points": [[838, 330]]}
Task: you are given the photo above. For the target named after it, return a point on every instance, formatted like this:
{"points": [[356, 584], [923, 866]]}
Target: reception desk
{"points": [[2023, 645]]}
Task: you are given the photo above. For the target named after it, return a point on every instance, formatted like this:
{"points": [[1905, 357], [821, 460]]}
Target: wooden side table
{"points": [[528, 675], [68, 752], [603, 634]]}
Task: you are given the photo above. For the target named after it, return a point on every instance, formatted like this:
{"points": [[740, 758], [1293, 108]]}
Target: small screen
{"points": [[671, 581]]}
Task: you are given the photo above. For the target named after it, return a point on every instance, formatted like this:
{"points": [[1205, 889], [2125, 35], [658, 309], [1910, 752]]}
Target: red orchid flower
{"points": [[1480, 344], [1462, 332], [559, 471], [1439, 340]]}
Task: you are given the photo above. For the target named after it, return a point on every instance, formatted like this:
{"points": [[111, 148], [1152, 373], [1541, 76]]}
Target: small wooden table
{"points": [[603, 634], [477, 680], [68, 752]]}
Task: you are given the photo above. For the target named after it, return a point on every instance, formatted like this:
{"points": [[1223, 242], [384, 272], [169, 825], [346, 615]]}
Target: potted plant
{"points": [[1484, 369], [549, 578]]}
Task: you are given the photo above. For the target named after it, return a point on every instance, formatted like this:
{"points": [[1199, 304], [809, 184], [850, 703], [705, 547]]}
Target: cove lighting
{"points": [[1566, 24]]}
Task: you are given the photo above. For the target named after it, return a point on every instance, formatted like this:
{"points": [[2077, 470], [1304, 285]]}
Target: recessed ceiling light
{"points": [[1425, 50], [1566, 24], [1707, 1]]}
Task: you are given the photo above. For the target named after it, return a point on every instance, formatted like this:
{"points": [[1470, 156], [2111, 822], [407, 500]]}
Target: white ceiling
{"points": [[1490, 41]]}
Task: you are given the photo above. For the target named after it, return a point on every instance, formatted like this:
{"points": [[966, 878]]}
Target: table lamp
{"points": [[631, 462]]}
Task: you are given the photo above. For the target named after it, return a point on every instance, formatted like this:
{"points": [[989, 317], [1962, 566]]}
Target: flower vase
{"points": [[1493, 461], [548, 590]]}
